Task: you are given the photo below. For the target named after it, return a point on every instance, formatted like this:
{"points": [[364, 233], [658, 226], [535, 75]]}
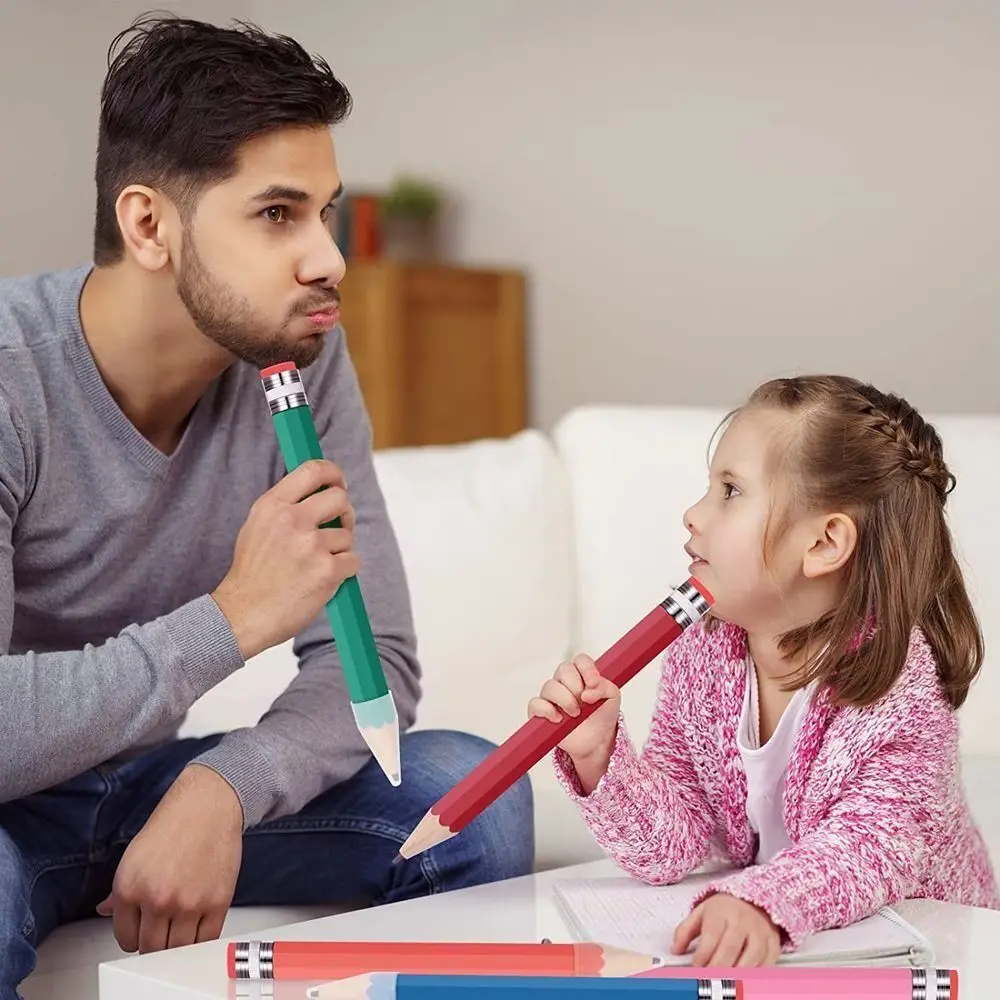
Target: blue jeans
{"points": [[59, 849]]}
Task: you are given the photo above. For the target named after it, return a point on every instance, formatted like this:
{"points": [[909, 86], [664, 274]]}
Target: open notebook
{"points": [[628, 913]]}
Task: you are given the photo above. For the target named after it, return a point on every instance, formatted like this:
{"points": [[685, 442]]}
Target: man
{"points": [[150, 541]]}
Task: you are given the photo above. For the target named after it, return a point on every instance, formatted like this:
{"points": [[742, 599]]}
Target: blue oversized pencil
{"points": [[398, 986]]}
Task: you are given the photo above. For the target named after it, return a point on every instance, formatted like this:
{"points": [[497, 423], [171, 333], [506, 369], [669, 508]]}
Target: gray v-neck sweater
{"points": [[109, 550]]}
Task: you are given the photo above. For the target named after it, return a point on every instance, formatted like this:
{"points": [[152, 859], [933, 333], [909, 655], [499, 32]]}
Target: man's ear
{"points": [[145, 219], [831, 545]]}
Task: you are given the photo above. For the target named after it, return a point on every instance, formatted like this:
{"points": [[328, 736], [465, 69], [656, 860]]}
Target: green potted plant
{"points": [[410, 210]]}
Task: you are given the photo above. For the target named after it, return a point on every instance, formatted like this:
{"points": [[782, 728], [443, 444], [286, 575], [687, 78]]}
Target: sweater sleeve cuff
{"points": [[611, 790], [248, 772], [204, 638], [753, 885]]}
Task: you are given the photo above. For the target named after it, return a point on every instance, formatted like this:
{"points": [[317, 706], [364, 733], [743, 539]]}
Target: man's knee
{"points": [[502, 836], [507, 830], [17, 955]]}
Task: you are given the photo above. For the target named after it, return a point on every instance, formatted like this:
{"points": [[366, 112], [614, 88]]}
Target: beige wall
{"points": [[705, 194], [778, 185], [53, 56]]}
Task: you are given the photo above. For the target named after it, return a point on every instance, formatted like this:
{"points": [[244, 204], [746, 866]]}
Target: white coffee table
{"points": [[521, 909]]}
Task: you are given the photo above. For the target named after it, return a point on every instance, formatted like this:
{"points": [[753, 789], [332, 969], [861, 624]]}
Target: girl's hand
{"points": [[732, 933], [574, 685]]}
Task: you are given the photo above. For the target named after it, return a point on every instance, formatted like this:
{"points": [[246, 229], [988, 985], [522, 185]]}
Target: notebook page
{"points": [[631, 914]]}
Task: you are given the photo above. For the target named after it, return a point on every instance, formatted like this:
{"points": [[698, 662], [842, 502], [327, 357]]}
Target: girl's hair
{"points": [[852, 448]]}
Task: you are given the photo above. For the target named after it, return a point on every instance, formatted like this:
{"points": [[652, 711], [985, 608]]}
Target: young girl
{"points": [[806, 730]]}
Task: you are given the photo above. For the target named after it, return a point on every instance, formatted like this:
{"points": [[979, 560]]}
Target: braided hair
{"points": [[915, 443], [850, 447]]}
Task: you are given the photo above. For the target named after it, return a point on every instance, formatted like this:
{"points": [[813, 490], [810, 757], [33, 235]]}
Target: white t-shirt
{"points": [[767, 765]]}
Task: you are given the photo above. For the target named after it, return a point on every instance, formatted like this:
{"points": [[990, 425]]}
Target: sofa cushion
{"points": [[486, 534]]}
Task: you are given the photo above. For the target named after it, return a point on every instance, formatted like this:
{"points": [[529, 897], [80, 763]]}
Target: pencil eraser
{"points": [[739, 989], [285, 366], [954, 984], [231, 959], [703, 590]]}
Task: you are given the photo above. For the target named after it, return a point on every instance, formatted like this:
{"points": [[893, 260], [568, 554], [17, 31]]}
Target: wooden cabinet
{"points": [[439, 350]]}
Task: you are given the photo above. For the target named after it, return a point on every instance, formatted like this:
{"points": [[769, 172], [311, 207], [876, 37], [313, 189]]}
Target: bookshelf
{"points": [[439, 350]]}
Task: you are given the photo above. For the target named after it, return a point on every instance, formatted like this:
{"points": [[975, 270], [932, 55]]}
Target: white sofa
{"points": [[525, 550]]}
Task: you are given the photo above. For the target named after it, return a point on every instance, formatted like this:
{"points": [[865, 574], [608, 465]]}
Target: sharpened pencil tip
{"points": [[378, 723], [398, 859]]}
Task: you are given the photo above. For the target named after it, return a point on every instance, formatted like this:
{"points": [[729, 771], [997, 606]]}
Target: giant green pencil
{"points": [[371, 700]]}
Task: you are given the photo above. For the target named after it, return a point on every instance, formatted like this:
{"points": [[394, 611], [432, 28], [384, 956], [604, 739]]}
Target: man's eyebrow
{"points": [[280, 192]]}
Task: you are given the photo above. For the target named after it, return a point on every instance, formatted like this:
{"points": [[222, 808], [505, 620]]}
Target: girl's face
{"points": [[727, 528]]}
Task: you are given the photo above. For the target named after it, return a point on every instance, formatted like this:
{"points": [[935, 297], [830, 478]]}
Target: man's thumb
{"points": [[104, 907]]}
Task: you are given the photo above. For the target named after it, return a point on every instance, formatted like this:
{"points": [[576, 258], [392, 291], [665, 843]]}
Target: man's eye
{"points": [[275, 213]]}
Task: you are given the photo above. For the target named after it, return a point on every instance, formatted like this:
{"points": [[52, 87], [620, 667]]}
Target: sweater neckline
{"points": [[97, 391]]}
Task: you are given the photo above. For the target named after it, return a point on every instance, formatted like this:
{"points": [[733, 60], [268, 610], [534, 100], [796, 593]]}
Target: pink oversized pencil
{"points": [[827, 983]]}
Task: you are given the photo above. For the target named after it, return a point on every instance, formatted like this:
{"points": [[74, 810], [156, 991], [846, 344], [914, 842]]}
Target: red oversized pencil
{"points": [[684, 606], [343, 959], [829, 983]]}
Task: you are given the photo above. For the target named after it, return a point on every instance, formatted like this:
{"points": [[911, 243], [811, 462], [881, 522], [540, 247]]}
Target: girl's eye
{"points": [[275, 213], [728, 491]]}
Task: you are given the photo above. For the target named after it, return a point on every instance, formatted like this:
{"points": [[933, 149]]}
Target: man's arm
{"points": [[308, 740], [63, 712]]}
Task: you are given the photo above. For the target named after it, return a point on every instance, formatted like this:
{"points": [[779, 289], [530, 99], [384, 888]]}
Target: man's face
{"points": [[258, 267]]}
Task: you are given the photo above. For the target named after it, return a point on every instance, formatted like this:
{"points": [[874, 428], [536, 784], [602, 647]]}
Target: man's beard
{"points": [[228, 320]]}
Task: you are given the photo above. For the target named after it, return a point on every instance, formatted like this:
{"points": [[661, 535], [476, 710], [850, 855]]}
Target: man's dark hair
{"points": [[182, 96]]}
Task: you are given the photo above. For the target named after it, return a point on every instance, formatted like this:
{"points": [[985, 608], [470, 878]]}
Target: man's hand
{"points": [[177, 878], [732, 933], [285, 566]]}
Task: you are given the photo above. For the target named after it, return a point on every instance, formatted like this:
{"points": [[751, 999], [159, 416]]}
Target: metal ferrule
{"points": [[289, 402], [937, 986], [716, 989], [254, 959], [284, 390], [686, 605]]}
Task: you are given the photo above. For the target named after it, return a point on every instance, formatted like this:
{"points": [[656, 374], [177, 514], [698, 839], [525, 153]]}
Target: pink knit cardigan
{"points": [[874, 804]]}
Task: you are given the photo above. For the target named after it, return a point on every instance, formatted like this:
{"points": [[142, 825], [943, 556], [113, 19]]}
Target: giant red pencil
{"points": [[684, 606]]}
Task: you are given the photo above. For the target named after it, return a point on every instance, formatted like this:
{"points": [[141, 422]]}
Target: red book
{"points": [[365, 242]]}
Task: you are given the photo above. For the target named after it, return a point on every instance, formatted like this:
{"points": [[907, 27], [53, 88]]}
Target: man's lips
{"points": [[328, 314], [325, 308]]}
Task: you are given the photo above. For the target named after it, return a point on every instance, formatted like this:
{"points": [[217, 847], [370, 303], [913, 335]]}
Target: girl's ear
{"points": [[831, 545]]}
